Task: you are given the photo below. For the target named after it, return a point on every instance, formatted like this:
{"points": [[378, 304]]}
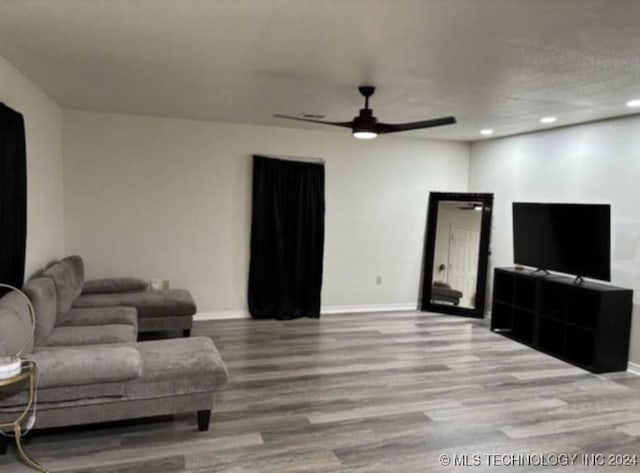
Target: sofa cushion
{"points": [[100, 316], [178, 366], [162, 303], [90, 335], [15, 325], [86, 366], [68, 279], [14, 399], [42, 293], [111, 285], [73, 374]]}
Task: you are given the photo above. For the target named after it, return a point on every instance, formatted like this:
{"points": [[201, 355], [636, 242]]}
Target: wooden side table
{"points": [[27, 372]]}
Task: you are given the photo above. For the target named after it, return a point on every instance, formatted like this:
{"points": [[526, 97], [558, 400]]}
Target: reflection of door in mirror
{"points": [[455, 264]]}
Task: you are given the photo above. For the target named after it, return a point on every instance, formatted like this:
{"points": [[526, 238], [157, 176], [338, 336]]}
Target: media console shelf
{"points": [[585, 324]]}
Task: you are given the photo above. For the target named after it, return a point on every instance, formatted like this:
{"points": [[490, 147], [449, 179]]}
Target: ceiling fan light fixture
{"points": [[364, 125], [635, 103], [364, 134]]}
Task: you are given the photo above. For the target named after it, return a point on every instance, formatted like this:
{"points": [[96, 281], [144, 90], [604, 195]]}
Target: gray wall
{"points": [[170, 199], [597, 163], [43, 129]]}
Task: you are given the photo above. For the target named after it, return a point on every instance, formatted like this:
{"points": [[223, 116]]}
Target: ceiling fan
{"points": [[366, 125]]}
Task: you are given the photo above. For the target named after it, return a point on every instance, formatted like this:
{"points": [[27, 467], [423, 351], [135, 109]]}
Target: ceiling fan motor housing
{"points": [[365, 121]]}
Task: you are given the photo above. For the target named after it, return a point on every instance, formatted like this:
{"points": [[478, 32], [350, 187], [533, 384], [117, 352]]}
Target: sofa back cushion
{"points": [[76, 264], [42, 293], [15, 324], [68, 278], [114, 285]]}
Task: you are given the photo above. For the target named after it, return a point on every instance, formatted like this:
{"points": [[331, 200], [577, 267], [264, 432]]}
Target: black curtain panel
{"points": [[13, 196], [287, 239]]}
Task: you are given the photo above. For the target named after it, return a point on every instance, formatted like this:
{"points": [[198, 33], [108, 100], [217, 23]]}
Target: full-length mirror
{"points": [[456, 253]]}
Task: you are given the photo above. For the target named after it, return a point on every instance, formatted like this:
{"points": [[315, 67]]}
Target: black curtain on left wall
{"points": [[13, 196], [287, 239]]}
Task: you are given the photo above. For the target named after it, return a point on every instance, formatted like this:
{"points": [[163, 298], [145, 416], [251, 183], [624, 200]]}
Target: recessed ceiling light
{"points": [[633, 103], [486, 132], [548, 120]]}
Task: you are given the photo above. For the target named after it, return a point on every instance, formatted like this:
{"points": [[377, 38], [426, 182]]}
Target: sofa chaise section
{"points": [[157, 310], [167, 309], [101, 384]]}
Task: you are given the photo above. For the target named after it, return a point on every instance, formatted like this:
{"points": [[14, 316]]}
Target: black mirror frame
{"points": [[483, 255]]}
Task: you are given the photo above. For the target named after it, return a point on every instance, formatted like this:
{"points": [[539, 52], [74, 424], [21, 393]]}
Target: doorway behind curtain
{"points": [[287, 239], [13, 197]]}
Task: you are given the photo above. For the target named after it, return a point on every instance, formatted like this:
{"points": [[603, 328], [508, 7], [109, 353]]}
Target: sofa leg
{"points": [[203, 420], [4, 442], [186, 332]]}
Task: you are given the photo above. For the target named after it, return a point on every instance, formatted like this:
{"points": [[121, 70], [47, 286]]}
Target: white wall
{"points": [[591, 163], [43, 129], [170, 199]]}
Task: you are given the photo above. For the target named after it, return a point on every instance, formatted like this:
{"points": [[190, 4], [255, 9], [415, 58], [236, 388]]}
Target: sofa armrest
{"points": [[114, 285], [86, 366]]}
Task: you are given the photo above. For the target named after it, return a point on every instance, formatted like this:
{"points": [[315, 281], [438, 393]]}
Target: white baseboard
{"points": [[353, 309], [633, 368], [221, 315], [332, 309]]}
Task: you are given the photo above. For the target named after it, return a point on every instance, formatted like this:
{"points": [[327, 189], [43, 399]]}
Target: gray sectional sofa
{"points": [[443, 292], [90, 367]]}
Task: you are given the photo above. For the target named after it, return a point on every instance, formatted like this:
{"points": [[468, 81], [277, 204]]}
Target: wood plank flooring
{"points": [[370, 393]]}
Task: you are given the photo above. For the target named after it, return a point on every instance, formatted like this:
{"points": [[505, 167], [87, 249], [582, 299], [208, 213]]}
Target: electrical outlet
{"points": [[165, 284], [378, 280]]}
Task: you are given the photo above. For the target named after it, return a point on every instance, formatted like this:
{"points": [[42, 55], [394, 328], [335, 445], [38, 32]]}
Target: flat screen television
{"points": [[569, 238]]}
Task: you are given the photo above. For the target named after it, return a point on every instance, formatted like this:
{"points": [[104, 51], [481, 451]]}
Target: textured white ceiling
{"points": [[499, 64]]}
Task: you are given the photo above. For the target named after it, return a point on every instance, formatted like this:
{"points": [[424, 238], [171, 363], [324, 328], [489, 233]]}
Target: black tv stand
{"points": [[587, 324]]}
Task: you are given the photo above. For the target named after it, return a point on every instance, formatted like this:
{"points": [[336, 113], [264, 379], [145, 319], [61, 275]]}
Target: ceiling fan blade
{"points": [[343, 124], [394, 127]]}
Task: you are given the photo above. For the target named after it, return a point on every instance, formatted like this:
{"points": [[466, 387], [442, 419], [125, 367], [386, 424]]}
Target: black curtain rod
{"points": [[292, 158]]}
